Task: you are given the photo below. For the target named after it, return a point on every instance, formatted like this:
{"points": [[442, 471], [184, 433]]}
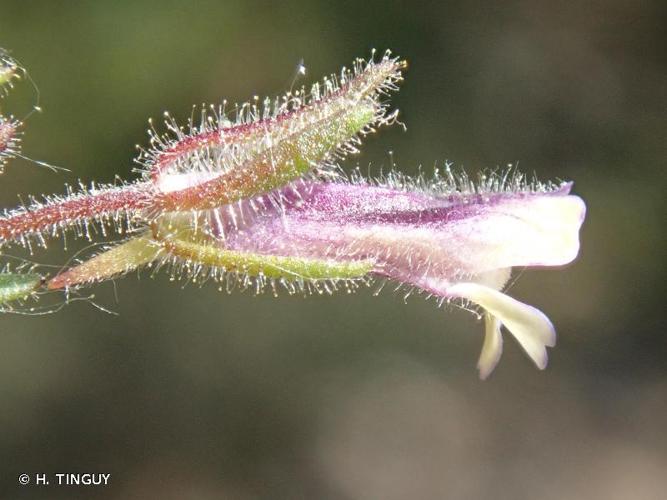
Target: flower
{"points": [[259, 201], [457, 245], [451, 243]]}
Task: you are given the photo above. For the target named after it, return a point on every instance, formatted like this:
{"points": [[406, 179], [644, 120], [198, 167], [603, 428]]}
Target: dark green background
{"points": [[194, 394]]}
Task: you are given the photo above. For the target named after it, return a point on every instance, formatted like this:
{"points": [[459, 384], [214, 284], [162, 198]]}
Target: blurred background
{"points": [[196, 394]]}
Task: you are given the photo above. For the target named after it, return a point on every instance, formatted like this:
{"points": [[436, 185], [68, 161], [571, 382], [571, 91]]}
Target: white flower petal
{"points": [[535, 231], [529, 325], [492, 348]]}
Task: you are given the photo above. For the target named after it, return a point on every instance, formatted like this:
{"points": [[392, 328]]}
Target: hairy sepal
{"points": [[269, 266], [216, 164], [127, 256]]}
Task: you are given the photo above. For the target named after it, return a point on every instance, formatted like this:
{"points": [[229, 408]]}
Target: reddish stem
{"points": [[75, 209]]}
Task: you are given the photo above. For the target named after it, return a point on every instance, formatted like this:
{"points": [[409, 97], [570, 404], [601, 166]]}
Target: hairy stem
{"points": [[59, 213]]}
